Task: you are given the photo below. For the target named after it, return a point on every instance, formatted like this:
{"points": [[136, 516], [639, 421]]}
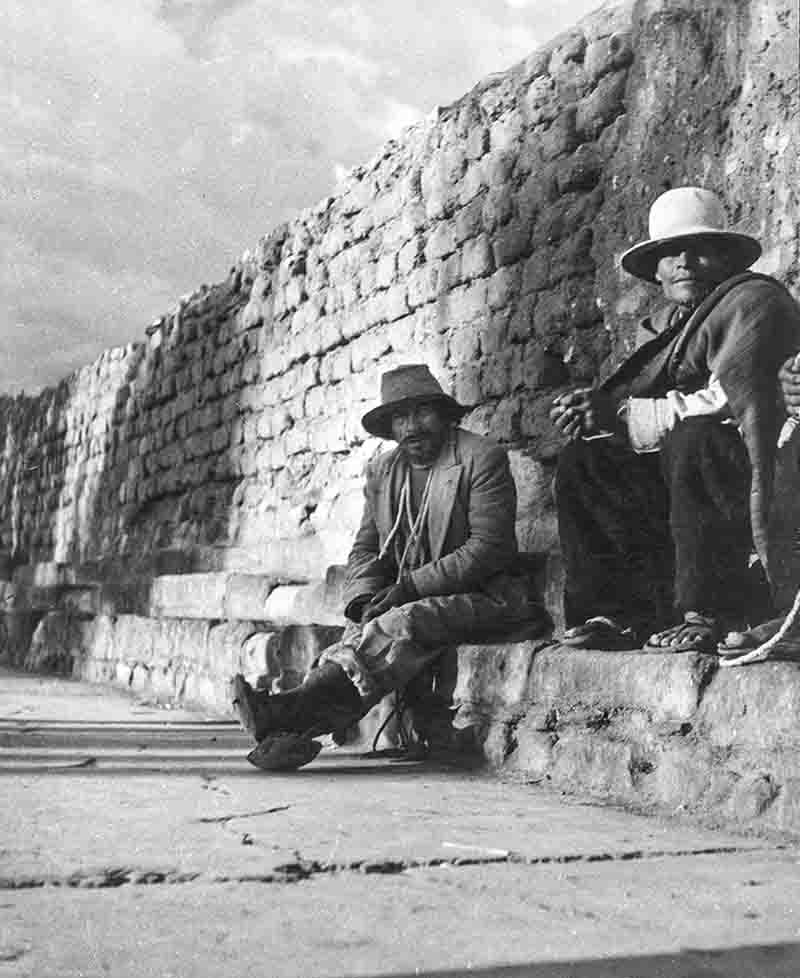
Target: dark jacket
{"points": [[473, 504], [741, 334]]}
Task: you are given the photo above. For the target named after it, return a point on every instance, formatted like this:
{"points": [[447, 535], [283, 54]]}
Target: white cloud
{"points": [[147, 143], [298, 52], [340, 172], [397, 116]]}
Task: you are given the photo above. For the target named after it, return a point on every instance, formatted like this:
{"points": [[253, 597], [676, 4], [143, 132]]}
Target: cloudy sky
{"points": [[147, 143]]}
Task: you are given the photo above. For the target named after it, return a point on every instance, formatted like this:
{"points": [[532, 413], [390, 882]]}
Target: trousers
{"points": [[388, 652], [645, 536]]}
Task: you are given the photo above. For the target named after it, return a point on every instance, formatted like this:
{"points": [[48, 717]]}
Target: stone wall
{"points": [[485, 241]]}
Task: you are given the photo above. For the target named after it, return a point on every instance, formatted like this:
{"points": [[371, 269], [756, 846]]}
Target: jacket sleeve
{"points": [[366, 574], [491, 544], [649, 419]]}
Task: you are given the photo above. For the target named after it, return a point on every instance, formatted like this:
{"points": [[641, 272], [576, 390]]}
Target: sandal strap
{"points": [[608, 622]]}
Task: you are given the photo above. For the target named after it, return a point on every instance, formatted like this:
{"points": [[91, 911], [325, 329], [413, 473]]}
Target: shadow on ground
{"points": [[760, 961], [52, 747]]}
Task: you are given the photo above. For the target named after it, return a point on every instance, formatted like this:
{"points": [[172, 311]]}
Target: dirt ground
{"points": [[137, 841]]}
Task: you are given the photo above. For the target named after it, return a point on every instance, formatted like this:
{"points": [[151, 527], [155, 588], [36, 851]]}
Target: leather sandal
{"points": [[696, 633], [600, 633], [735, 643]]}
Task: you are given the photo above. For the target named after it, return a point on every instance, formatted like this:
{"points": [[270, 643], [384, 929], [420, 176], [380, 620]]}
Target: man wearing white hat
{"points": [[434, 563], [666, 485]]}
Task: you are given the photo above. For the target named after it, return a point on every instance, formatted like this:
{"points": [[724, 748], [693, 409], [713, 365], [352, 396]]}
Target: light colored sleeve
{"points": [[650, 418]]}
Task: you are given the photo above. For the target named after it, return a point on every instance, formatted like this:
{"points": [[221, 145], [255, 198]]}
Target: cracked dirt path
{"points": [[138, 841]]}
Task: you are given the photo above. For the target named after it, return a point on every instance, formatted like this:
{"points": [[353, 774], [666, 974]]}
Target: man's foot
{"points": [[696, 633], [326, 701], [775, 639], [251, 707], [745, 641], [601, 633]]}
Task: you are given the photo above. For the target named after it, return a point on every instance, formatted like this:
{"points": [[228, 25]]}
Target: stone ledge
{"points": [[664, 687], [659, 732], [666, 732]]}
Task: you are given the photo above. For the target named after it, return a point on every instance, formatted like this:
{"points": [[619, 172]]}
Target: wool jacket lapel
{"points": [[387, 498], [445, 479]]}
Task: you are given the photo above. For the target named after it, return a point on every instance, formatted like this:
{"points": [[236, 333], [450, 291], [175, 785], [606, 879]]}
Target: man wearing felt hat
{"points": [[434, 563], [666, 485]]}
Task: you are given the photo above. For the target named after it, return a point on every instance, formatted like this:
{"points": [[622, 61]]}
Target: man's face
{"points": [[689, 270], [420, 429]]}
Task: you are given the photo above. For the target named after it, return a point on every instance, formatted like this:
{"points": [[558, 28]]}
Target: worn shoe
{"points": [[284, 752], [325, 702], [250, 705]]}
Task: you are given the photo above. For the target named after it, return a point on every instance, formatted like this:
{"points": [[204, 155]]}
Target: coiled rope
{"points": [[417, 527]]}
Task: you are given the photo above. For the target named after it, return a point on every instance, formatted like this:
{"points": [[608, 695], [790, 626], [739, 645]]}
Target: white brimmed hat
{"points": [[688, 212]]}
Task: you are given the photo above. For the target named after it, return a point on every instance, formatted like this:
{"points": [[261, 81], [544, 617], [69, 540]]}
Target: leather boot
{"points": [[326, 701]]}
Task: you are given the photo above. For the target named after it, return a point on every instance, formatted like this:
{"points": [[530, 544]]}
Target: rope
{"points": [[398, 520], [416, 527], [415, 524], [397, 710]]}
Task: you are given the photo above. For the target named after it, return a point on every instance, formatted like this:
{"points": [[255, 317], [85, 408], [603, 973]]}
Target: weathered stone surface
{"points": [[495, 677], [666, 687], [189, 595], [303, 604], [757, 707], [16, 632], [56, 644], [246, 595], [669, 735]]}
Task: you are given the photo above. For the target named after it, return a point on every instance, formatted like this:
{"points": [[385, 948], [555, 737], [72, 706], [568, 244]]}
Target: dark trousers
{"points": [[643, 534]]}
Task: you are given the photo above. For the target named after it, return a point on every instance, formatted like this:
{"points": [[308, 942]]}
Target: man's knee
{"points": [[574, 460], [703, 445], [693, 436]]}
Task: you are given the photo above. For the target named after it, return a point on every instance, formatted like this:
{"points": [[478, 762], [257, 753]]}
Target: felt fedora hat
{"points": [[687, 213], [403, 386]]}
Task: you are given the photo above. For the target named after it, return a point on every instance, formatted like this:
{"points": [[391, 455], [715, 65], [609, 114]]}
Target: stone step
{"points": [[232, 596]]}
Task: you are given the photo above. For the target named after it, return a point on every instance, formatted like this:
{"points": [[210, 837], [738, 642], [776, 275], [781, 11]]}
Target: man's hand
{"points": [[390, 597], [585, 411], [789, 377]]}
